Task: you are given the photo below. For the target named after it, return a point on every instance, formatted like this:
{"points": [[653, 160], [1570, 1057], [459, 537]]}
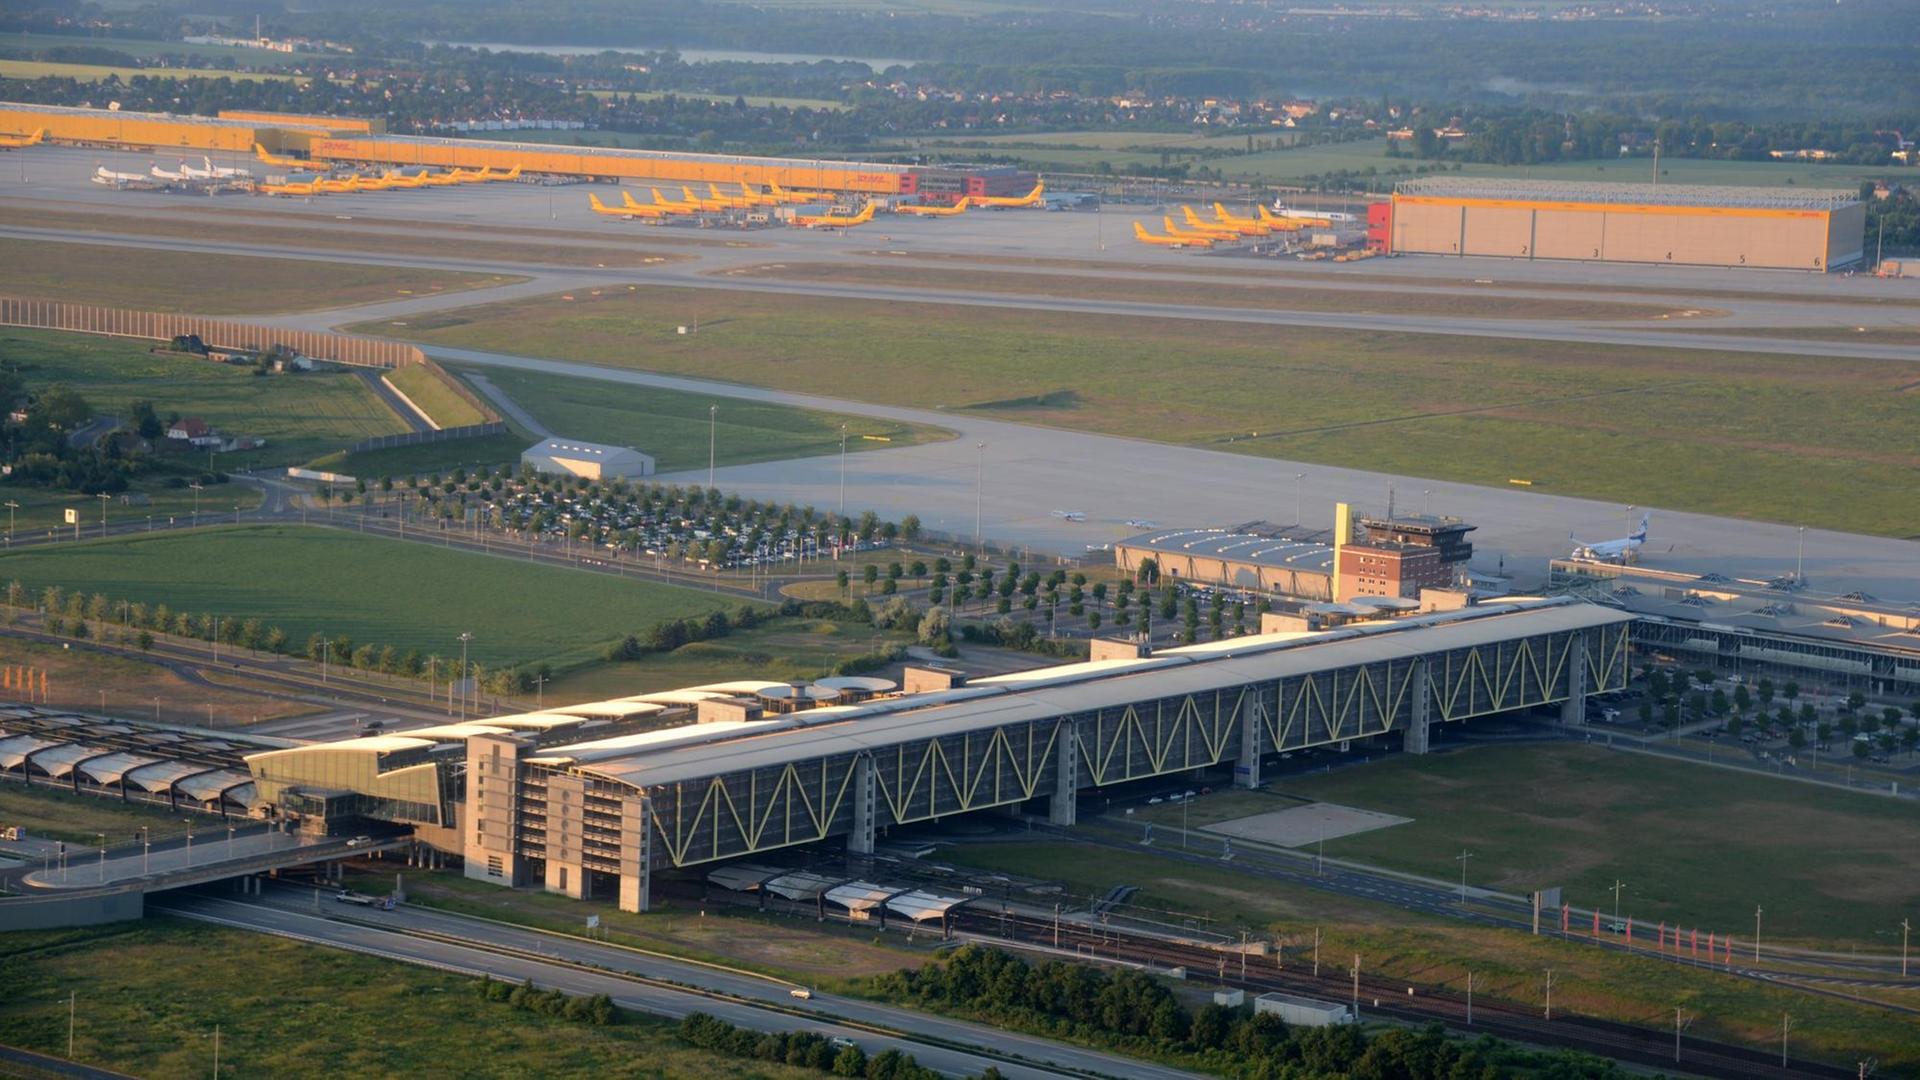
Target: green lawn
{"points": [[672, 425], [41, 509], [149, 996], [48, 813], [385, 592], [1505, 964], [782, 649], [434, 397], [490, 450], [1698, 430], [154, 280], [39, 69], [1697, 846], [300, 415]]}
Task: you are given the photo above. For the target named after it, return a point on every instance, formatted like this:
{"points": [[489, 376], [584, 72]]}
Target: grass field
{"points": [[151, 280], [20, 44], [50, 814], [1505, 964], [79, 678], [41, 69], [150, 994], [489, 451], [1697, 846], [672, 425], [479, 244], [300, 415], [434, 397], [819, 955], [41, 509], [1281, 295], [782, 649], [1075, 151], [1721, 426], [385, 592]]}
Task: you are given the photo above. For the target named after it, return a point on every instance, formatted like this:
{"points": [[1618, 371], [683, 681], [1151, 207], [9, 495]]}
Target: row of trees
{"points": [[803, 1050], [1133, 1011], [595, 1009]]}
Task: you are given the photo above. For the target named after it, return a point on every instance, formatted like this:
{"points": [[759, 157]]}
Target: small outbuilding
{"points": [[589, 461]]}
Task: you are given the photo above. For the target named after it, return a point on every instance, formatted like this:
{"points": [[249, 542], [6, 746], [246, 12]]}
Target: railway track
{"points": [[1380, 998]]}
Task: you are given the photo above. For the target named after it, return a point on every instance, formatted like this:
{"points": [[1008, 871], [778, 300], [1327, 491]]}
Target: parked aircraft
{"points": [[104, 175], [674, 207], [792, 198], [1141, 234], [831, 220], [1251, 226], [1214, 235], [20, 142], [210, 171], [630, 211], [1215, 228], [925, 210], [1310, 217], [184, 174], [1612, 549], [285, 162], [295, 187], [1031, 198]]}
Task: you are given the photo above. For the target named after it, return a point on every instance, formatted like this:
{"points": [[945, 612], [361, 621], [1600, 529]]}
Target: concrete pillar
{"points": [[1419, 710], [860, 837], [1063, 808], [1246, 769], [1573, 711], [636, 853]]}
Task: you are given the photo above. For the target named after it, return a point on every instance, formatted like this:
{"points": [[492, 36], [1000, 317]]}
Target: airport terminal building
{"points": [[1691, 225]]}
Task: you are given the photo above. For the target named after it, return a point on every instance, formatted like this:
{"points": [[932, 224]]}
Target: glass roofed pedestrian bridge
{"points": [[591, 800]]}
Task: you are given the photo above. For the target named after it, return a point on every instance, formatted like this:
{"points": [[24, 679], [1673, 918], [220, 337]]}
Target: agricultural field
{"points": [[78, 677], [1464, 409], [1426, 949], [44, 510], [1083, 151], [383, 592], [153, 280], [300, 415], [151, 994], [27, 44], [671, 425], [1830, 867], [41, 69], [780, 649], [439, 401], [489, 451]]}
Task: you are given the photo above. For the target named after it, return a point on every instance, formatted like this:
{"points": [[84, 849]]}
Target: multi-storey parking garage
{"points": [[601, 816]]}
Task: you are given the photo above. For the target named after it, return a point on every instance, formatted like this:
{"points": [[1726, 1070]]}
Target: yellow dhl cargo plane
{"points": [[746, 200], [630, 211], [285, 162], [755, 198], [835, 221], [674, 207], [510, 174], [302, 187], [1197, 234], [1141, 234], [21, 142], [791, 198], [937, 211], [649, 210], [1279, 224], [1200, 224], [1031, 198], [1250, 226]]}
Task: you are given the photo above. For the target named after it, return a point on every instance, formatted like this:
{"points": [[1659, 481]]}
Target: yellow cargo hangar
{"points": [[1814, 230]]}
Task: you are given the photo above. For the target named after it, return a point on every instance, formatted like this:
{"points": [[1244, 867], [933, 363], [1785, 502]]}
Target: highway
{"points": [[655, 984]]}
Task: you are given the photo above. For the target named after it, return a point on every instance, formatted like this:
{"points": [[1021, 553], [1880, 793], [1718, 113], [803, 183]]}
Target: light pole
{"points": [[1756, 933], [189, 841], [1618, 887], [1299, 485], [103, 857], [1462, 860], [843, 470], [1425, 494], [146, 849], [1800, 559], [1905, 929], [1786, 1025], [464, 638], [1469, 999], [230, 843], [11, 508], [713, 421], [197, 489], [1549, 994], [1629, 519], [73, 998], [1678, 1024], [979, 483], [104, 499]]}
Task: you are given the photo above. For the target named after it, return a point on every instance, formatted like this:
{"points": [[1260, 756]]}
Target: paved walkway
{"points": [[508, 406]]}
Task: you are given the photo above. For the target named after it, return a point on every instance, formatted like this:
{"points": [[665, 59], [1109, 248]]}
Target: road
{"points": [[751, 1001]]}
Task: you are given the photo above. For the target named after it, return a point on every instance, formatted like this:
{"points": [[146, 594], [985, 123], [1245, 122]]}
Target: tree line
{"points": [[1132, 1011]]}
